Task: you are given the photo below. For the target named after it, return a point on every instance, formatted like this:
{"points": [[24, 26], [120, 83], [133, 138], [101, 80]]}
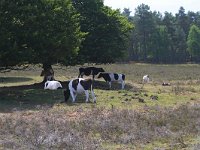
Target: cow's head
{"points": [[100, 75], [101, 70]]}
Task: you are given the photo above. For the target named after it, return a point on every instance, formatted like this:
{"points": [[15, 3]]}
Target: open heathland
{"points": [[149, 116]]}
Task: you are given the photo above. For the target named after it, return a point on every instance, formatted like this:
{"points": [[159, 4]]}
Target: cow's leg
{"points": [[123, 84], [109, 84], [86, 95], [93, 96], [79, 75], [93, 76], [73, 96]]}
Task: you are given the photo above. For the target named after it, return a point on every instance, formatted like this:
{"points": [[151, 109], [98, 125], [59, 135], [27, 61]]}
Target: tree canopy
{"points": [[161, 38], [107, 30], [194, 42], [83, 31], [38, 31]]}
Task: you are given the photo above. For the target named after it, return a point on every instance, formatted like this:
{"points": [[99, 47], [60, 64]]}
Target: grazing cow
{"points": [[52, 85], [79, 85], [109, 77], [48, 74], [90, 71], [145, 79]]}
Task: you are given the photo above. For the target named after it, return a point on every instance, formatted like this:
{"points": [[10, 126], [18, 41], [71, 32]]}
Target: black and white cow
{"points": [[90, 71], [52, 85], [79, 85], [109, 77]]}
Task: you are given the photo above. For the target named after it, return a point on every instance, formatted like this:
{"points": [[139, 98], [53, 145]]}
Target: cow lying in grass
{"points": [[110, 77], [52, 85], [90, 71], [79, 85]]}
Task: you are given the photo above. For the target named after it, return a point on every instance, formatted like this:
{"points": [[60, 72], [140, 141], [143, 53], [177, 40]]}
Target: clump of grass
{"points": [[177, 89]]}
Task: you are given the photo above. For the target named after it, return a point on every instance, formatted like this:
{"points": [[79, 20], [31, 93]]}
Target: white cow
{"points": [[145, 78], [52, 85]]}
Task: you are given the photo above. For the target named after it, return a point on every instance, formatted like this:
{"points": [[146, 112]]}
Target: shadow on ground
{"points": [[28, 97], [31, 97], [14, 79], [115, 86]]}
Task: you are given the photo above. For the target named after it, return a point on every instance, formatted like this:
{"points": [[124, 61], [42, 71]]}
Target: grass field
{"points": [[140, 117]]}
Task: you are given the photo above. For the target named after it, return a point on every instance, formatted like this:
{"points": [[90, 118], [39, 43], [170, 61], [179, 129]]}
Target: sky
{"points": [[158, 5]]}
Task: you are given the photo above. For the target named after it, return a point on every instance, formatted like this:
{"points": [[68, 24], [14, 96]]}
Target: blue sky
{"points": [[158, 5]]}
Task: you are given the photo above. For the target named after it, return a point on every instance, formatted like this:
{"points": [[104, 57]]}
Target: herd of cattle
{"points": [[81, 85]]}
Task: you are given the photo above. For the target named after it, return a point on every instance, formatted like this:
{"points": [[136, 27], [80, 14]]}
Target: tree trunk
{"points": [[47, 72]]}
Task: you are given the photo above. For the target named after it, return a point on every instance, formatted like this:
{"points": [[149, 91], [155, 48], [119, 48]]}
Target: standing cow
{"points": [[90, 71], [77, 86], [110, 77]]}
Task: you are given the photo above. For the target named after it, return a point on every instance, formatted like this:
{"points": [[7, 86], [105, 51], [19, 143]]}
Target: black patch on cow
{"points": [[106, 76], [123, 77], [75, 83], [85, 71], [46, 84], [116, 76], [90, 71], [86, 83], [95, 71]]}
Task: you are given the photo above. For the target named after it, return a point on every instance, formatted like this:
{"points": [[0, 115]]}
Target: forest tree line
{"points": [[164, 38], [82, 31]]}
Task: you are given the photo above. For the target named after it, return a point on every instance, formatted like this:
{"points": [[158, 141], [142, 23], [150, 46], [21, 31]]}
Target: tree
{"points": [[180, 45], [160, 51], [193, 43], [182, 20], [127, 14], [169, 21], [39, 31], [107, 30], [145, 27]]}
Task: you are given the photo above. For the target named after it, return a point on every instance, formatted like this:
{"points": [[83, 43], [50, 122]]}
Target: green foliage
{"points": [[79, 31], [161, 39], [107, 31], [40, 31], [193, 42], [145, 27]]}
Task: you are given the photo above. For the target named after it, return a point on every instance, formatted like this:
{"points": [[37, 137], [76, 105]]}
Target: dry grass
{"points": [[99, 128]]}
